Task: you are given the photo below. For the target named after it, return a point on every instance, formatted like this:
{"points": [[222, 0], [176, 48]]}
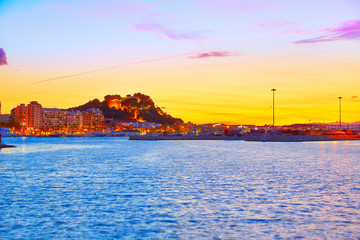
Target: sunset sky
{"points": [[202, 60]]}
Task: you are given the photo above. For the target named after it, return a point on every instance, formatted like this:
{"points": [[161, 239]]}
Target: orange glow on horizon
{"points": [[200, 94]]}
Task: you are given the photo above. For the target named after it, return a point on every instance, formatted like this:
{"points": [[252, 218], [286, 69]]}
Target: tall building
{"points": [[33, 115], [18, 114], [56, 118], [53, 117], [75, 119], [93, 117]]}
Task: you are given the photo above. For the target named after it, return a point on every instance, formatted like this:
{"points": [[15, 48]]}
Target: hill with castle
{"points": [[137, 107]]}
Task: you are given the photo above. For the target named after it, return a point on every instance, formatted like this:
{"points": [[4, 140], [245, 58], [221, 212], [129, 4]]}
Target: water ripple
{"points": [[106, 188]]}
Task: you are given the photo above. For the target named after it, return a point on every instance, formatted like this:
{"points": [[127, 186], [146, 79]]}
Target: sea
{"points": [[113, 188]]}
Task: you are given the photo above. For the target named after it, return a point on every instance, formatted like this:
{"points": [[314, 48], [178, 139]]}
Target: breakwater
{"points": [[288, 138], [5, 146], [186, 137], [260, 138]]}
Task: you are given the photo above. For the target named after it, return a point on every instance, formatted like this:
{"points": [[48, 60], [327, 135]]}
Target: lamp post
{"points": [[340, 111], [273, 90]]}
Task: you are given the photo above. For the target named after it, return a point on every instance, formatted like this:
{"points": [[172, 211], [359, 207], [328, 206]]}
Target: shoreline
{"points": [[250, 138]]}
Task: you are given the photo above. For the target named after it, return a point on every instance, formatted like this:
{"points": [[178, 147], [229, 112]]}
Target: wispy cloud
{"points": [[215, 54], [3, 59], [349, 30], [109, 68], [172, 34]]}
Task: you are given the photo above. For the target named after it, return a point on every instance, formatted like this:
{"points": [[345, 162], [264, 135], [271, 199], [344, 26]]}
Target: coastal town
{"points": [[35, 121]]}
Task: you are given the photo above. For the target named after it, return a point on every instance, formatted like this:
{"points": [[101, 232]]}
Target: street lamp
{"points": [[273, 90], [340, 111]]}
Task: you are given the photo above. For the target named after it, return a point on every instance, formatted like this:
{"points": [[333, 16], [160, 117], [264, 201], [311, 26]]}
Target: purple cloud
{"points": [[214, 54], [349, 30], [162, 30], [3, 59]]}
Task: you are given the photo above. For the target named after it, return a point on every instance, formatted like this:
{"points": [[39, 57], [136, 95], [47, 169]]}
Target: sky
{"points": [[204, 61]]}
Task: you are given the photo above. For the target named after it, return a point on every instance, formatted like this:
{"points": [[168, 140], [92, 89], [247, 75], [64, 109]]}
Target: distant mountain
{"points": [[139, 107]]}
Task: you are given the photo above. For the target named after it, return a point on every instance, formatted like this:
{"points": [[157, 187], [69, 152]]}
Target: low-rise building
{"points": [[131, 132], [234, 130], [5, 118]]}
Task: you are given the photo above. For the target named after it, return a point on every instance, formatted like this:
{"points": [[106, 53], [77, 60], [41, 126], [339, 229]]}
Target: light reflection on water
{"points": [[107, 188]]}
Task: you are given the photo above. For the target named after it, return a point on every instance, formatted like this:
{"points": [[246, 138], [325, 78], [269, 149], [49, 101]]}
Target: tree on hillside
{"points": [[112, 97]]}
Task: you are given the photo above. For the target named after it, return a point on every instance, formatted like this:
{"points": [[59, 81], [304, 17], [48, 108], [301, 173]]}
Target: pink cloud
{"points": [[214, 54], [175, 35], [349, 30], [3, 59]]}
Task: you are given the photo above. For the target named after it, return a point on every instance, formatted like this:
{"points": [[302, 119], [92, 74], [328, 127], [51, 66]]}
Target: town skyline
{"points": [[115, 103], [202, 60]]}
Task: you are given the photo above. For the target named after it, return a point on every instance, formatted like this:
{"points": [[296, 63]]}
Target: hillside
{"points": [[139, 107]]}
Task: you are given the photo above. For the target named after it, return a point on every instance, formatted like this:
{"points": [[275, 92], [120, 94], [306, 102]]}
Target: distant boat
{"points": [[99, 134], [6, 132], [57, 134], [88, 134], [112, 133]]}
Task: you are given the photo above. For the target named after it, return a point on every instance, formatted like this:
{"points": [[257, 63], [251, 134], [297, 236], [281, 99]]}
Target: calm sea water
{"points": [[110, 188]]}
